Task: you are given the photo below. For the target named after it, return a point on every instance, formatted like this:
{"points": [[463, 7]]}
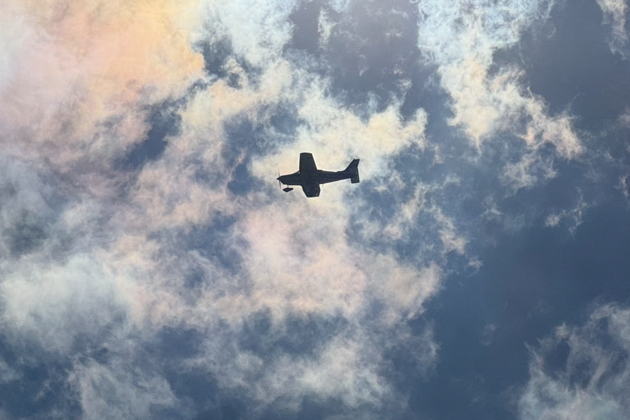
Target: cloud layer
{"points": [[146, 243], [106, 256]]}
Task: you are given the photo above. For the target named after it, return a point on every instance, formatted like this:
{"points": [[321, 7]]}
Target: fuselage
{"points": [[317, 177]]}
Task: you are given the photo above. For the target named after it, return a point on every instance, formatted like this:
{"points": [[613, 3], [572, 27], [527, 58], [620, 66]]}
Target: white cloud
{"points": [[593, 382], [119, 390], [461, 37], [573, 215], [344, 369], [324, 27], [56, 303], [7, 373], [113, 265], [257, 30], [124, 272], [406, 214], [528, 171], [72, 71], [615, 12], [350, 367], [338, 134], [624, 186], [296, 259]]}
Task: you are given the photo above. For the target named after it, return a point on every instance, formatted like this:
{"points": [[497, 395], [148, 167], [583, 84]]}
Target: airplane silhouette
{"points": [[310, 178]]}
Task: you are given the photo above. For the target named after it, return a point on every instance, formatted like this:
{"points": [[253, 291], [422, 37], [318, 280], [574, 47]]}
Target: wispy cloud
{"points": [[615, 12], [592, 379], [573, 216], [121, 390], [491, 102]]}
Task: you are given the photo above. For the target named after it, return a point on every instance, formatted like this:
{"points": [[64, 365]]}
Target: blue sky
{"points": [[151, 268]]}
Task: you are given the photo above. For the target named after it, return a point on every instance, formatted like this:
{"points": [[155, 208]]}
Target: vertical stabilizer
{"points": [[353, 171]]}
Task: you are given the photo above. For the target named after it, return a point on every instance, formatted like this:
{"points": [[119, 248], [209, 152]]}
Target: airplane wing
{"points": [[311, 190], [307, 163]]}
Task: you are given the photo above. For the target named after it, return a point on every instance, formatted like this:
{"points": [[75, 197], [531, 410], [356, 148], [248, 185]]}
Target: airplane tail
{"points": [[353, 171]]}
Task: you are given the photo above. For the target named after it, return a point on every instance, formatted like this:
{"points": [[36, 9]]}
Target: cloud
{"points": [[296, 260], [528, 171], [592, 379], [7, 373], [260, 37], [488, 101], [574, 215], [120, 390], [614, 12], [73, 67], [122, 255], [324, 27], [342, 369], [59, 303], [110, 257]]}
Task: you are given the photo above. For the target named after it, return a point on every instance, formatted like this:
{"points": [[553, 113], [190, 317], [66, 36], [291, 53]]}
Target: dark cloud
{"points": [[216, 55], [35, 388], [164, 122], [298, 336], [203, 254], [25, 236]]}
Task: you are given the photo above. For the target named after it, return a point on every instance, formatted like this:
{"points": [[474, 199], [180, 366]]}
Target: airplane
{"points": [[310, 178]]}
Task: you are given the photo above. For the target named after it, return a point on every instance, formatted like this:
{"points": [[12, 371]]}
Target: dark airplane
{"points": [[309, 177]]}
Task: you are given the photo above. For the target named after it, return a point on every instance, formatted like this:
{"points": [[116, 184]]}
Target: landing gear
{"points": [[285, 189]]}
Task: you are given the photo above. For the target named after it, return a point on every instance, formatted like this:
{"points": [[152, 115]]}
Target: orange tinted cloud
{"points": [[76, 64]]}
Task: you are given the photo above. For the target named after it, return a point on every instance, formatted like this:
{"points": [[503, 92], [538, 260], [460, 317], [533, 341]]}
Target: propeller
{"points": [[287, 188]]}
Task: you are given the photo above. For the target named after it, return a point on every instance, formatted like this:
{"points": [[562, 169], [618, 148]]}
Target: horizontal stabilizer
{"points": [[355, 179]]}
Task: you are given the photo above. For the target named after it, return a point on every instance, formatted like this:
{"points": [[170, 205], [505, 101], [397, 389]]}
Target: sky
{"points": [[151, 268]]}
